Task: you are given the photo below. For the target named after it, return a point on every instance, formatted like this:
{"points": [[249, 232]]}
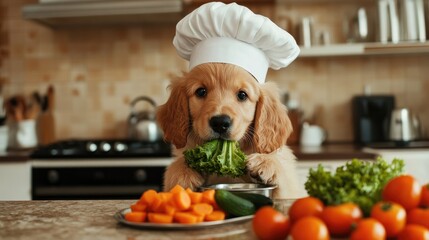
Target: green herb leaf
{"points": [[221, 157], [357, 181]]}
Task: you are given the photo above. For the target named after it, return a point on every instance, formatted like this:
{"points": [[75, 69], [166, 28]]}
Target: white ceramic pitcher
{"points": [[312, 135]]}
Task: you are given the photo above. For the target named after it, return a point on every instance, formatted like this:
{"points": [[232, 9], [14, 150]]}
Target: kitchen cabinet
{"points": [[97, 13], [15, 180]]}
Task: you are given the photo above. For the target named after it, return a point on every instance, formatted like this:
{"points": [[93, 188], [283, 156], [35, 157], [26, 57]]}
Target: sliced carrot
{"points": [[137, 207], [135, 216], [215, 206], [196, 197], [160, 218], [178, 204], [202, 209], [169, 210], [148, 196], [185, 217], [157, 204], [181, 200], [177, 188], [140, 201], [166, 196], [200, 218], [208, 196], [216, 215]]}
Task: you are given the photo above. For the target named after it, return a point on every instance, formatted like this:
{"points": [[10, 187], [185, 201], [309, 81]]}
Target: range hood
{"points": [[104, 12]]}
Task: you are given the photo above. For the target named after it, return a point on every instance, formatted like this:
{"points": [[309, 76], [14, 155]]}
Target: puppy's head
{"points": [[217, 100]]}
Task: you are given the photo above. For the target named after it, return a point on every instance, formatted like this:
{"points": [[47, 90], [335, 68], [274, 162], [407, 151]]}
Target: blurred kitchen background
{"points": [[84, 72], [97, 71]]}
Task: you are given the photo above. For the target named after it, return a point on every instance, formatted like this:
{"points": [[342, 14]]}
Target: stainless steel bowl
{"points": [[266, 190]]}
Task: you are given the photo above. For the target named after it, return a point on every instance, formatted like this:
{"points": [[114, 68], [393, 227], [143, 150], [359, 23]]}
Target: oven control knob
{"points": [[105, 146], [140, 175], [53, 176], [120, 147], [54, 152], [91, 147]]}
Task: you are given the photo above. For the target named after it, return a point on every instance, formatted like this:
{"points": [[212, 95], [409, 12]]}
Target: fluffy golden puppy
{"points": [[218, 100]]}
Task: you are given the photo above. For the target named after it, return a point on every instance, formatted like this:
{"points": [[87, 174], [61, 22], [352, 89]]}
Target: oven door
{"points": [[67, 183]]}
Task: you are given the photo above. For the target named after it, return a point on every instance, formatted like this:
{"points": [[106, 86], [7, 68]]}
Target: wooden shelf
{"points": [[355, 49], [323, 1]]}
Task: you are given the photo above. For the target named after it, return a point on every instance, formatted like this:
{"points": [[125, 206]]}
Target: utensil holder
{"points": [[46, 128]]}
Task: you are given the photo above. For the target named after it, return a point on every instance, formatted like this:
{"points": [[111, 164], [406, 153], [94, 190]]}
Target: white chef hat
{"points": [[230, 33]]}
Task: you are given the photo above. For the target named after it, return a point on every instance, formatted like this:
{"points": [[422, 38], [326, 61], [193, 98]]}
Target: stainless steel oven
{"points": [[98, 169]]}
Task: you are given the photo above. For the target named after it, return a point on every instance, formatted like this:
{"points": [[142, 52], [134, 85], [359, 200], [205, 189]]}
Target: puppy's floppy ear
{"points": [[173, 116], [272, 125]]}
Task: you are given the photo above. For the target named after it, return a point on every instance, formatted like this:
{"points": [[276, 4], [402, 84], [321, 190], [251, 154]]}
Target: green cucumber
{"points": [[233, 204], [257, 199]]}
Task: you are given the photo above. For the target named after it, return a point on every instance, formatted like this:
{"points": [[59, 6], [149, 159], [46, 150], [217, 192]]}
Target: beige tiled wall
{"points": [[96, 72]]}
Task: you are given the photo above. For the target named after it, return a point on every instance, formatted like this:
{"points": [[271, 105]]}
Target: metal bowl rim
{"points": [[261, 187]]}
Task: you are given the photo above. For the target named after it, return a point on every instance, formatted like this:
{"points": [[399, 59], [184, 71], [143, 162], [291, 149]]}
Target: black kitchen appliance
{"points": [[371, 118], [98, 169]]}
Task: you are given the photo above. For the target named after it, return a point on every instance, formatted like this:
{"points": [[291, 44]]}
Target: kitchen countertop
{"points": [[85, 219], [331, 151], [15, 156]]}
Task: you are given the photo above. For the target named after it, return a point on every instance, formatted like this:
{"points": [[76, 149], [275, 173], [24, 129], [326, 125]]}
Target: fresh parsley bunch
{"points": [[360, 182], [221, 157]]}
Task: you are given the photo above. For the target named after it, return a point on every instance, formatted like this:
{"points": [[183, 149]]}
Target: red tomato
{"points": [[424, 198], [305, 207], [270, 224], [419, 216], [413, 232], [339, 218], [391, 215], [404, 190], [368, 228], [309, 228]]}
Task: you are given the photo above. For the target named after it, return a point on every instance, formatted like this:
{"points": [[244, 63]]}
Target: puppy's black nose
{"points": [[220, 123]]}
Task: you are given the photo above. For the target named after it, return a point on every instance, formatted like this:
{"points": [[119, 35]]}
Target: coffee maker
{"points": [[371, 118]]}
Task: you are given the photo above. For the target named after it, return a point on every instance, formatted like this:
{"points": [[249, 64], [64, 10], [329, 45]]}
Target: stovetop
{"points": [[102, 148]]}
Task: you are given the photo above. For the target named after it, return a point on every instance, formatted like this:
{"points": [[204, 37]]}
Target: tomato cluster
{"points": [[403, 214]]}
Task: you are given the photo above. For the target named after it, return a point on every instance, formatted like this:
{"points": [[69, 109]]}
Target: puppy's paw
{"points": [[261, 168], [191, 179], [179, 173]]}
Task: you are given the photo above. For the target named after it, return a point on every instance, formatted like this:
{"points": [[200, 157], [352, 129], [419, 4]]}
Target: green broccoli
{"points": [[221, 157]]}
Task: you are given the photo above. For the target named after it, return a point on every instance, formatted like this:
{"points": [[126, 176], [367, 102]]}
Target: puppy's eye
{"points": [[201, 92], [242, 96]]}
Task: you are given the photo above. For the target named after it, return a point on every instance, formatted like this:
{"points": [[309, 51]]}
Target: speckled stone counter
{"points": [[42, 220]]}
